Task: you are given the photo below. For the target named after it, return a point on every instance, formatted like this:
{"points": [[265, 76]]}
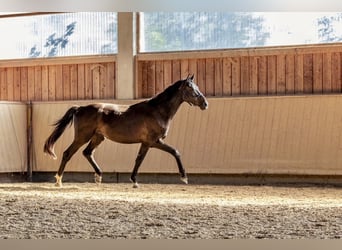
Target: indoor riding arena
{"points": [[263, 160]]}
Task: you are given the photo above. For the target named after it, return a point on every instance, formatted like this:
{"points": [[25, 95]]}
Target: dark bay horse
{"points": [[146, 122]]}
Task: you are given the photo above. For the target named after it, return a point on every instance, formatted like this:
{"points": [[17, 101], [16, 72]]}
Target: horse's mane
{"points": [[166, 94]]}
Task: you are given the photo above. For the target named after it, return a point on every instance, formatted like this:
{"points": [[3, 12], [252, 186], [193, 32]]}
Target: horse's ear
{"points": [[190, 77]]}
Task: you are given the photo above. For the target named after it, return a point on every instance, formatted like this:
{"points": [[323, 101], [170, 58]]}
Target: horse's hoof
{"points": [[58, 184], [98, 179], [58, 181], [135, 185], [184, 179]]}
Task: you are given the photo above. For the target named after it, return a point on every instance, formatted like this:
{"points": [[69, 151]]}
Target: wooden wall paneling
{"points": [[253, 78], [24, 84], [38, 88], [159, 81], [318, 73], [327, 73], [59, 83], [227, 76], [139, 80], [17, 84], [52, 82], [73, 82], [245, 76], [290, 74], [201, 75], [272, 75], [209, 76], [336, 72], [262, 75], [299, 74], [151, 78], [308, 74], [218, 78], [31, 82], [103, 81], [280, 75], [81, 82], [236, 76]]}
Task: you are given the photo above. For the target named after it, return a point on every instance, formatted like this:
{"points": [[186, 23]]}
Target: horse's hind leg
{"points": [[140, 157], [88, 153], [71, 150]]}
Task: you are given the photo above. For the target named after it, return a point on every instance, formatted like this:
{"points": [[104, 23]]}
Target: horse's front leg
{"points": [[140, 157], [164, 147]]}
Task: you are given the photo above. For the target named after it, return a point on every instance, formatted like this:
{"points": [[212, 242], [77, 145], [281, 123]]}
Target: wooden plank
{"points": [[218, 79], [272, 75], [80, 81], [17, 85], [110, 81], [151, 78], [327, 73], [73, 82], [290, 74], [103, 81], [52, 83], [144, 80], [45, 83], [245, 74], [262, 75], [31, 83], [184, 63], [201, 75], [193, 68], [159, 82], [318, 73], [139, 82], [176, 70], [227, 77], [209, 76], [66, 81], [336, 72], [24, 84], [3, 84], [236, 76], [253, 65], [88, 80], [281, 77], [10, 84], [38, 88], [308, 73], [59, 83], [95, 76], [299, 74], [167, 73]]}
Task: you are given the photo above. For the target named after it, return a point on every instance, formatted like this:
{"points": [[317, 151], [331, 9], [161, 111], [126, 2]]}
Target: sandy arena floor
{"points": [[85, 210]]}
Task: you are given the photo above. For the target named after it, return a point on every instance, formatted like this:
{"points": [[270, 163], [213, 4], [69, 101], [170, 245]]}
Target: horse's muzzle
{"points": [[204, 104]]}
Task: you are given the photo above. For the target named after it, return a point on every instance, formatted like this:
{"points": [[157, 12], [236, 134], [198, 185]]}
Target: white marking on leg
{"points": [[98, 179], [135, 185], [184, 179], [58, 180]]}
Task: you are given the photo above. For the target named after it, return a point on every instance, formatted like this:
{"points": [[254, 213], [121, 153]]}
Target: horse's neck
{"points": [[169, 108]]}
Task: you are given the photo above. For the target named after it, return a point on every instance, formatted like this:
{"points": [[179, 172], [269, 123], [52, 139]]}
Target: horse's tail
{"points": [[60, 126]]}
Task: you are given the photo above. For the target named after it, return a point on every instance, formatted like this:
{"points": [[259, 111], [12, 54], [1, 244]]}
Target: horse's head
{"points": [[192, 94]]}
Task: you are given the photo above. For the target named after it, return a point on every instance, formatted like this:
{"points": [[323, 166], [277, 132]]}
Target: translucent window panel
{"points": [[67, 34], [177, 31]]}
